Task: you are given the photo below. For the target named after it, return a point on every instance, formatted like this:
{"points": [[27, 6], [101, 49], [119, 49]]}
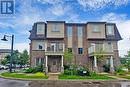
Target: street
{"points": [[13, 83]]}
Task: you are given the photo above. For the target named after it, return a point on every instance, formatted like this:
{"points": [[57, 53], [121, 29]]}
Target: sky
{"points": [[28, 12]]}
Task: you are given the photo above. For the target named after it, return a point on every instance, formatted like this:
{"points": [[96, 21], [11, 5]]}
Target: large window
{"points": [[40, 28], [80, 50], [110, 29], [56, 27], [69, 31], [80, 31], [96, 28], [39, 61]]}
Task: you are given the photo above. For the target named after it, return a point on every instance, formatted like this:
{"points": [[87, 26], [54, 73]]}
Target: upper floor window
{"points": [[80, 50], [40, 28], [69, 31], [55, 27], [80, 31], [96, 28], [40, 46], [110, 29]]}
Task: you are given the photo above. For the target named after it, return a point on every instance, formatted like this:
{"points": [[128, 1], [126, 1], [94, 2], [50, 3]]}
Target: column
{"points": [[62, 62], [46, 64], [111, 65], [45, 46], [95, 64], [63, 47]]}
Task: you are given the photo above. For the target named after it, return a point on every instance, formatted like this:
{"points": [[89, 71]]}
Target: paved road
{"points": [[13, 83]]}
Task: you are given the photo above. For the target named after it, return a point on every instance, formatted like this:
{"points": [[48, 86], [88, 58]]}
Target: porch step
{"points": [[53, 76]]}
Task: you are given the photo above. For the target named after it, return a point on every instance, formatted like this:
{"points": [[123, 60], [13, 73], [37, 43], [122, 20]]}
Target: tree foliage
{"points": [[68, 56], [127, 62], [18, 58]]}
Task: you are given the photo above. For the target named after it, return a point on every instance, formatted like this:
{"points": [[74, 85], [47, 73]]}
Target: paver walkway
{"points": [[53, 76]]}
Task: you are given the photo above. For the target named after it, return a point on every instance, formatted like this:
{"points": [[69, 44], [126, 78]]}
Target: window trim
{"points": [[39, 33]]}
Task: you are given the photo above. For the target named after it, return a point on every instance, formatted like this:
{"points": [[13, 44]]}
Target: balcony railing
{"points": [[100, 49], [56, 50]]}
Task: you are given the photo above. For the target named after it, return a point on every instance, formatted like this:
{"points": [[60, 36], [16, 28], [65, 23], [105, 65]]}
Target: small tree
{"points": [[68, 56], [5, 60], [127, 64], [23, 59]]}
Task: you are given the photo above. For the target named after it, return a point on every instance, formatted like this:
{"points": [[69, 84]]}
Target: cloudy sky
{"points": [[29, 11]]}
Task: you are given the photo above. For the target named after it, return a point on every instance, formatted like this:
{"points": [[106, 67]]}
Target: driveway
{"points": [[13, 83]]}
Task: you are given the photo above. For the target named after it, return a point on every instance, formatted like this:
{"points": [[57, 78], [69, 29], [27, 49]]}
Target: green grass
{"points": [[95, 77], [23, 76]]}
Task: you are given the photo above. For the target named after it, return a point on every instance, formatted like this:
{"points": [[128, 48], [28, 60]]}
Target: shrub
{"points": [[119, 71], [106, 68], [67, 72], [76, 70], [93, 74], [83, 72], [66, 67], [34, 70], [30, 70]]}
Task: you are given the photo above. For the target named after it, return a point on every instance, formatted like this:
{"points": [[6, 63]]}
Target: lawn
{"points": [[95, 77], [24, 76]]}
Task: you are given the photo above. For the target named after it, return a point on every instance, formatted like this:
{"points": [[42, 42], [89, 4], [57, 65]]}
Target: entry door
{"points": [[54, 67]]}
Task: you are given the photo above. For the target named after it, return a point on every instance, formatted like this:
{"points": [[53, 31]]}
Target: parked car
{"points": [[3, 67]]}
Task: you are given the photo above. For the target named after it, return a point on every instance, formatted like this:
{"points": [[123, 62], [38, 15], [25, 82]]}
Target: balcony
{"points": [[100, 49], [55, 49]]}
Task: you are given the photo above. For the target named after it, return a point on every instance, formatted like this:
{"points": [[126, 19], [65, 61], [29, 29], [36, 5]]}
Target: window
{"points": [[40, 28], [40, 47], [69, 31], [80, 31], [39, 61], [80, 50], [109, 47], [110, 29], [55, 27], [95, 28]]}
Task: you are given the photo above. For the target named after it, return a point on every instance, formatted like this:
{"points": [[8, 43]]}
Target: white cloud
{"points": [[50, 1], [123, 27], [5, 25], [60, 10], [17, 46], [99, 4], [114, 17]]}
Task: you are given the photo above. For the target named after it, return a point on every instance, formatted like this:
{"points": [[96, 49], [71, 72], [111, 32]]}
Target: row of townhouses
{"points": [[87, 41]]}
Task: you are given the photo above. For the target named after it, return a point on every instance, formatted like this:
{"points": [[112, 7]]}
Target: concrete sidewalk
{"points": [[53, 76]]}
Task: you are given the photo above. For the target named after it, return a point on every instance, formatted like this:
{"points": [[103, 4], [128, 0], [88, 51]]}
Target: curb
{"points": [[10, 78]]}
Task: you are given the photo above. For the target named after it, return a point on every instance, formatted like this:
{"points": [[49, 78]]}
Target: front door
{"points": [[54, 67], [54, 64]]}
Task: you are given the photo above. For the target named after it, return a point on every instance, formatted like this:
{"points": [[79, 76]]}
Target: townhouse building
{"points": [[87, 41]]}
